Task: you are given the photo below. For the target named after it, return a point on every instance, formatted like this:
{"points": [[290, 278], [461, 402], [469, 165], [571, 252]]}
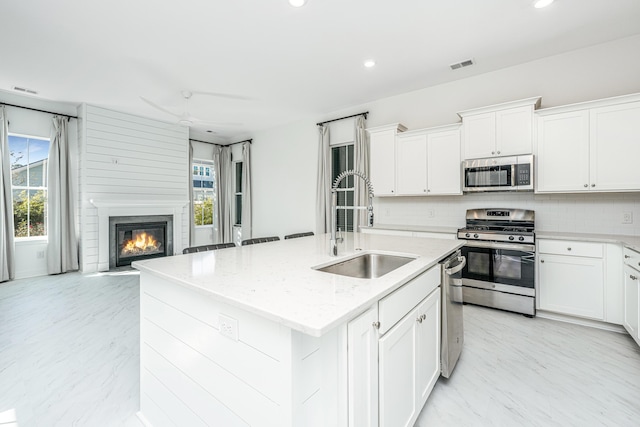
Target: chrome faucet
{"points": [[334, 207]]}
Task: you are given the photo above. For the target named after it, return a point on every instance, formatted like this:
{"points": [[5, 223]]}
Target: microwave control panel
{"points": [[523, 174]]}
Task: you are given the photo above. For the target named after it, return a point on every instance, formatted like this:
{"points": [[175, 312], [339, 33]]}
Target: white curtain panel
{"points": [[323, 185], [218, 215], [7, 247], [360, 163], [246, 191], [62, 248], [192, 225], [226, 194]]}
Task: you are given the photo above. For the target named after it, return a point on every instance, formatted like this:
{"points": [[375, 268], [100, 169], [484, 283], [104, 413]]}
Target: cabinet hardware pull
{"points": [[498, 152], [493, 152], [419, 319], [542, 261], [586, 185], [568, 249], [376, 325], [633, 277], [593, 185], [626, 256]]}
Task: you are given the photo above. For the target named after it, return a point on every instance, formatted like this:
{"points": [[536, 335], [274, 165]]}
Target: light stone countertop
{"points": [[276, 280], [631, 242], [423, 228]]}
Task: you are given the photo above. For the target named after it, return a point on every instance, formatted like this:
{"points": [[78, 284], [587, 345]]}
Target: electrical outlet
{"points": [[228, 326], [431, 213], [627, 217]]}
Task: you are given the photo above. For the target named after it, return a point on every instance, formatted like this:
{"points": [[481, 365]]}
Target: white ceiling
{"points": [[293, 63]]}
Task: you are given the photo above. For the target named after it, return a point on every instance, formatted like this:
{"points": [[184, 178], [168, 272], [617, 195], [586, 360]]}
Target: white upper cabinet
{"points": [[428, 162], [382, 144], [499, 130], [444, 175], [590, 146], [411, 164]]}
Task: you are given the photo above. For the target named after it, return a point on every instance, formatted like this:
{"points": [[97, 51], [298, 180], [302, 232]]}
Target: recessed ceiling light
{"points": [[297, 3], [369, 63], [539, 4]]}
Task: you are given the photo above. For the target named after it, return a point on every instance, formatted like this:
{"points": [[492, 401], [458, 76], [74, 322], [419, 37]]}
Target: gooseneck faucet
{"points": [[334, 206]]}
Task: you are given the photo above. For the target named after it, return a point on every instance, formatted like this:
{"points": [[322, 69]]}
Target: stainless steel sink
{"points": [[367, 266]]}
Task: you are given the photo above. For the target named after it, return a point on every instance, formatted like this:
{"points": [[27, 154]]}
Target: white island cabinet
{"points": [[254, 336]]}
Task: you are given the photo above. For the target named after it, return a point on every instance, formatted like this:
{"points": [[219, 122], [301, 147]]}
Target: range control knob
{"points": [[475, 236], [521, 238], [467, 235], [511, 237]]}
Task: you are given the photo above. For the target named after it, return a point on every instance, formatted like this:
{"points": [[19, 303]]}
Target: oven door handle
{"points": [[462, 261], [498, 245]]}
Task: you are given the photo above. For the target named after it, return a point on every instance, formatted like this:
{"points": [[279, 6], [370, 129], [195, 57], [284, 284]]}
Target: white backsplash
{"points": [[580, 213]]}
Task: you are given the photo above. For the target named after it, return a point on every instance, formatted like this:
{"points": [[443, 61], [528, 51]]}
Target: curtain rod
{"points": [[40, 111], [221, 145], [342, 118]]}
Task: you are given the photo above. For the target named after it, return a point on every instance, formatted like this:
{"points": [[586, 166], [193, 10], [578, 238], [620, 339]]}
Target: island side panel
{"points": [[191, 374]]}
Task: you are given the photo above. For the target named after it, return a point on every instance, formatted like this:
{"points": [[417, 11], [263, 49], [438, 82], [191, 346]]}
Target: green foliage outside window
{"points": [[203, 210], [29, 214]]}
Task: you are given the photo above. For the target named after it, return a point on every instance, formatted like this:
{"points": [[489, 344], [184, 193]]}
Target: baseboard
{"points": [[581, 321]]}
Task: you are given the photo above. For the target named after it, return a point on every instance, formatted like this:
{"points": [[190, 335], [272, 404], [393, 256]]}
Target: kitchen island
{"points": [[255, 335]]}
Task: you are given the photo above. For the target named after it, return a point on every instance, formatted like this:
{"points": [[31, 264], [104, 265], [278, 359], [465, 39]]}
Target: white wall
{"points": [[31, 254], [128, 159], [285, 158]]}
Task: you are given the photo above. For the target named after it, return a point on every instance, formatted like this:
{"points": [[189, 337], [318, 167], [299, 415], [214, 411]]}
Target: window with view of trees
{"points": [[204, 193], [29, 157], [342, 160]]}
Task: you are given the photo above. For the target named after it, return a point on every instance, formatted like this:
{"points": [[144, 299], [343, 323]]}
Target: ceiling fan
{"points": [[186, 119]]}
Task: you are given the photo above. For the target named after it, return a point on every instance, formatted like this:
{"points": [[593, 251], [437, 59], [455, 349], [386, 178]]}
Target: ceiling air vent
{"points": [[25, 90], [462, 64]]}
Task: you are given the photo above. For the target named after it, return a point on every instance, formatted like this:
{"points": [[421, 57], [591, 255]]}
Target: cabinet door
{"points": [[411, 165], [615, 147], [562, 162], [443, 163], [382, 162], [631, 301], [397, 374], [362, 365], [479, 135], [427, 347], [514, 131], [571, 285]]}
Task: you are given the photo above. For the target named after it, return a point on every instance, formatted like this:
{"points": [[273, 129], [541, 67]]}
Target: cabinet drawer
{"points": [[631, 258], [395, 306], [570, 248]]}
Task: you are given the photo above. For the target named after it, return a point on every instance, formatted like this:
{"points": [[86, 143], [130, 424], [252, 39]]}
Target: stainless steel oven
{"points": [[500, 253]]}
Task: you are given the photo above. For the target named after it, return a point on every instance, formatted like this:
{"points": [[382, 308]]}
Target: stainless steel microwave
{"points": [[513, 173]]}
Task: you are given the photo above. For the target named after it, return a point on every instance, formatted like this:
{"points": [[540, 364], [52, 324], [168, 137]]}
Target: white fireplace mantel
{"points": [[109, 208]]}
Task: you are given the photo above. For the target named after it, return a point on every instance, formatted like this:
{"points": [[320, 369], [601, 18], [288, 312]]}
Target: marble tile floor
{"points": [[69, 349]]}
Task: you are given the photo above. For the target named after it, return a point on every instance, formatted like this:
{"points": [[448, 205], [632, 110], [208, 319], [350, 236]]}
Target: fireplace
{"points": [[136, 238]]}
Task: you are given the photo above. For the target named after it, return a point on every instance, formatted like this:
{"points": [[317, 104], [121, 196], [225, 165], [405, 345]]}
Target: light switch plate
{"points": [[627, 217]]}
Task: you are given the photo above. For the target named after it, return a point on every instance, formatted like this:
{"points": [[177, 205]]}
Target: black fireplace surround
{"points": [[136, 238]]}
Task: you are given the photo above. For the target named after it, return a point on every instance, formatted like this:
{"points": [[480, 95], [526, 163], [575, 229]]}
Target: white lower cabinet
{"points": [[631, 318], [571, 278], [362, 345], [580, 279], [393, 358]]}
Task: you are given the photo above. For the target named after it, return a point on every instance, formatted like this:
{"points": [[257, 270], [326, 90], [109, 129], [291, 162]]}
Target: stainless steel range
{"points": [[500, 252]]}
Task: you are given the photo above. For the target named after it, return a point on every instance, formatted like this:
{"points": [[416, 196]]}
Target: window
{"points": [[342, 160], [29, 157], [238, 193], [204, 193]]}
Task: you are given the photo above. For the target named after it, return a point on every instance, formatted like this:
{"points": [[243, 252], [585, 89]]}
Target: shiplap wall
{"points": [[132, 159]]}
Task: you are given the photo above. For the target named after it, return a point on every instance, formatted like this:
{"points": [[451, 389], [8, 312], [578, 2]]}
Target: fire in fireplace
{"points": [[139, 238]]}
